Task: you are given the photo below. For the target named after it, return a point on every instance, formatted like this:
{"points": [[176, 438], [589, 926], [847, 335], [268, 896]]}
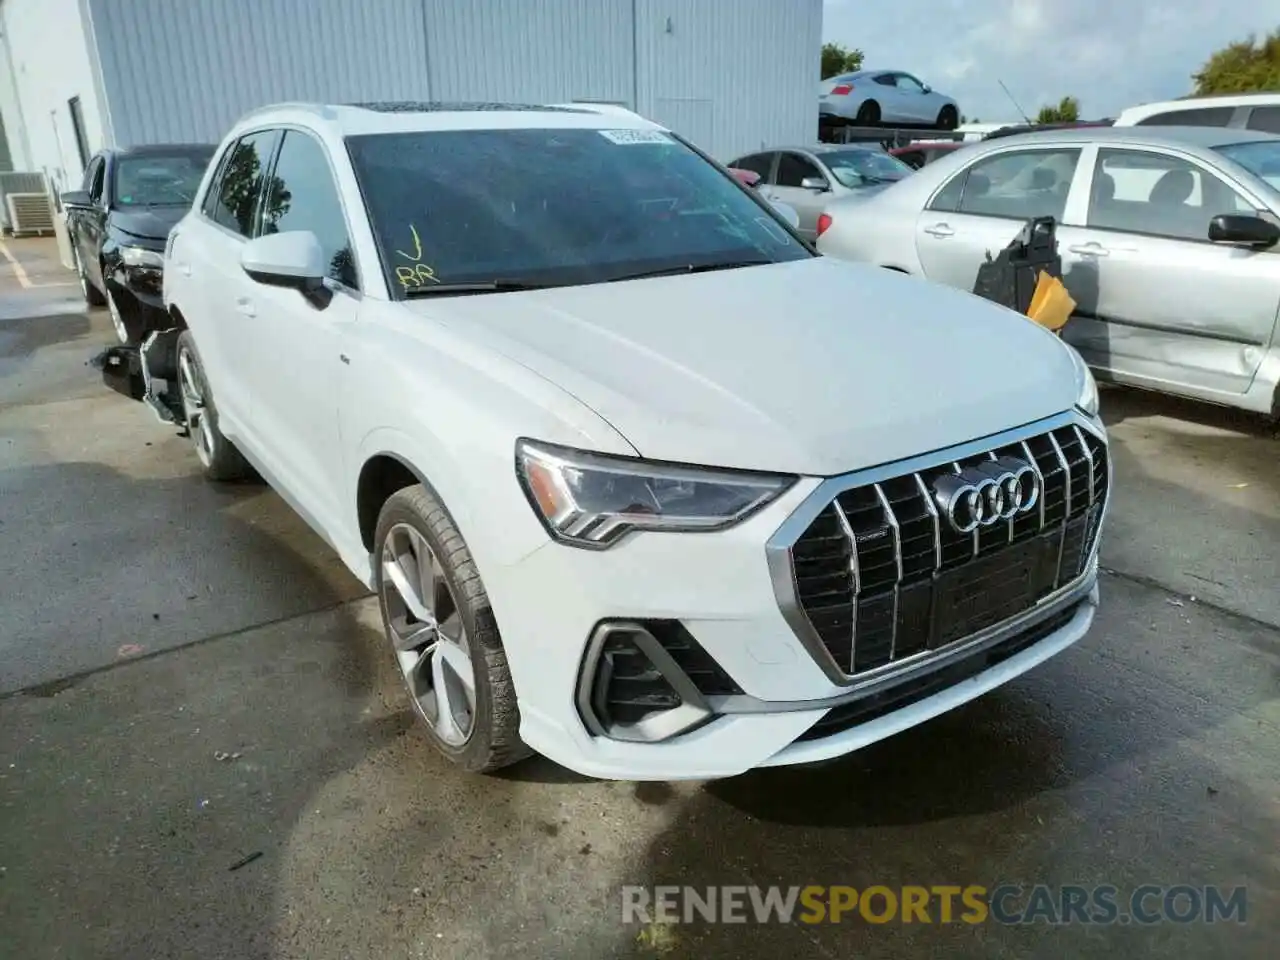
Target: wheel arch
{"points": [[481, 496], [381, 475]]}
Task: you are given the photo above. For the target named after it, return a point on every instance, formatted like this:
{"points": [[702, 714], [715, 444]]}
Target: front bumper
{"points": [[787, 707], [137, 295]]}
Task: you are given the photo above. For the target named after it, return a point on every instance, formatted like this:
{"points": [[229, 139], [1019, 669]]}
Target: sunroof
{"points": [[436, 106]]}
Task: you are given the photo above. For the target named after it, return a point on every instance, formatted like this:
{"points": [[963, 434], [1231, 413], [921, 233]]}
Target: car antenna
{"points": [[1022, 113]]}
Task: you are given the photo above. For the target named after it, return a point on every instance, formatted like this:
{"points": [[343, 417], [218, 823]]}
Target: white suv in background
{"points": [[641, 482]]}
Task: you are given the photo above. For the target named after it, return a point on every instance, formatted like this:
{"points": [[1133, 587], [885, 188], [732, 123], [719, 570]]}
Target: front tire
{"points": [[443, 634], [219, 458]]}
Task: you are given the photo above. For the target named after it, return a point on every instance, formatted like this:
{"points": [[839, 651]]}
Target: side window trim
{"points": [[337, 191]]}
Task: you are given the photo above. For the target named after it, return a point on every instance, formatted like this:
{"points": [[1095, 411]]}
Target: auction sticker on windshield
{"points": [[634, 136]]}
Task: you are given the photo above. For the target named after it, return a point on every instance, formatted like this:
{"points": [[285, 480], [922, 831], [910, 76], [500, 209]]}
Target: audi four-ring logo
{"points": [[985, 494]]}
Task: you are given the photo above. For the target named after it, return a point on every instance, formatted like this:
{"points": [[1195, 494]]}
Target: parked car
{"points": [[1168, 239], [869, 97], [1245, 111], [808, 178], [916, 155], [118, 222], [640, 481]]}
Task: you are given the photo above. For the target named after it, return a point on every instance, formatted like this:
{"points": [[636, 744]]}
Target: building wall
{"points": [[551, 51], [44, 62], [185, 71], [731, 77]]}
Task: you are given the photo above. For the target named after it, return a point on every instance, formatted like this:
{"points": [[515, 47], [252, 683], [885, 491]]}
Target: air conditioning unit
{"points": [[18, 181], [29, 213]]}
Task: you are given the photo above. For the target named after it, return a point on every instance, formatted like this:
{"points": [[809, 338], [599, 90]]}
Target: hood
{"points": [[147, 223], [814, 367]]}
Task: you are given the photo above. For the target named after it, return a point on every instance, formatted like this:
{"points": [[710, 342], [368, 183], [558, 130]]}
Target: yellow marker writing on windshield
{"points": [[417, 245], [416, 275]]}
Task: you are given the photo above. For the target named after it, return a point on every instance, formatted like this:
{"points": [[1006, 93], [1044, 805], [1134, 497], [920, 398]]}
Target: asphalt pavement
{"points": [[204, 750]]}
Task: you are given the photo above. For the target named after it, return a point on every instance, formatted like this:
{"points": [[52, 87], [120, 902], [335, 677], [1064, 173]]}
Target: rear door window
{"points": [[1019, 185], [761, 163]]}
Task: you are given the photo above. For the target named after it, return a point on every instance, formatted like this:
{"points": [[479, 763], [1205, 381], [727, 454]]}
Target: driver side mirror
{"points": [[816, 184], [926, 88], [1245, 229], [76, 199], [291, 259]]}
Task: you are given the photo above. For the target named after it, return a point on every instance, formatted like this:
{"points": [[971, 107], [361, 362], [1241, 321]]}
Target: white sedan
{"points": [[641, 482], [871, 97]]}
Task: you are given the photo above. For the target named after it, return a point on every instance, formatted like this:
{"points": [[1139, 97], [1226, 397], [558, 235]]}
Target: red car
{"points": [[916, 155]]}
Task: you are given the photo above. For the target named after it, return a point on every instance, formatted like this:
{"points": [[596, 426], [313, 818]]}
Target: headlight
{"points": [[592, 500], [140, 257], [1086, 386]]}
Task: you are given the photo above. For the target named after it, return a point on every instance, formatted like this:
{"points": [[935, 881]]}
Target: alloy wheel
{"points": [[190, 387], [425, 626]]}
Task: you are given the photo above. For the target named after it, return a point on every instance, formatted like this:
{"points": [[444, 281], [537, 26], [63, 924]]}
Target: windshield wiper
{"points": [[472, 286], [690, 268]]}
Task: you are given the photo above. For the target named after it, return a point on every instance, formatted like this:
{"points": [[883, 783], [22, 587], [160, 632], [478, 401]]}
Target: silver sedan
{"points": [[1168, 239], [809, 178]]}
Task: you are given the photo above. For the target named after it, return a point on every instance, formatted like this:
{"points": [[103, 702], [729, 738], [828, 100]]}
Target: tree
{"points": [[1067, 110], [1246, 66], [838, 59]]}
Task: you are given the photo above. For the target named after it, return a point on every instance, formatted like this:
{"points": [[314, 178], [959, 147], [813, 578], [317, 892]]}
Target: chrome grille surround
{"points": [[840, 578]]}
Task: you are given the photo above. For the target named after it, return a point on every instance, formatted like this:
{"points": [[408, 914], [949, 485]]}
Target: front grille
{"points": [[881, 577], [917, 688]]}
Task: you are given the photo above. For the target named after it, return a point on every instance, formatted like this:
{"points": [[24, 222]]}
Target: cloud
{"points": [[1110, 54]]}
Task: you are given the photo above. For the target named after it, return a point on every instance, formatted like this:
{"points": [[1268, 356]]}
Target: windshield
{"points": [[553, 207], [863, 168], [160, 179], [1261, 158]]}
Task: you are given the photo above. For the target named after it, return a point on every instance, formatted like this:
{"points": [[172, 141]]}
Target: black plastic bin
{"points": [[1010, 277]]}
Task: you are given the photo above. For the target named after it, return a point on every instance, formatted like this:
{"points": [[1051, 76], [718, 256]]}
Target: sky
{"points": [[1109, 54]]}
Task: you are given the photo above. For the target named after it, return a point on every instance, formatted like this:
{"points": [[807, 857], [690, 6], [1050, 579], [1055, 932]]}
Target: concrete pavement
{"points": [[189, 678]]}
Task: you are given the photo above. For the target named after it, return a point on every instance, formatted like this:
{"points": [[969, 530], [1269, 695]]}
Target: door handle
{"points": [[1090, 249], [940, 230], [246, 307]]}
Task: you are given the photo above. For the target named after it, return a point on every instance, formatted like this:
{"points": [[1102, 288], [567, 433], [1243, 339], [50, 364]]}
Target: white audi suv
{"points": [[641, 482]]}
